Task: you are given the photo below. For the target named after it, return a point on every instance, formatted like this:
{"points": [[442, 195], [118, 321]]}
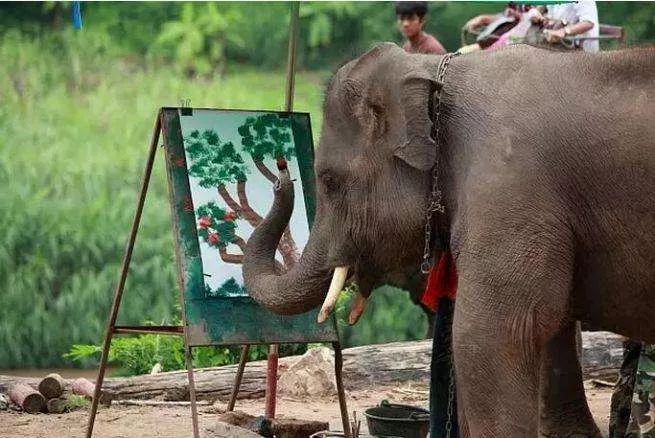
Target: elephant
{"points": [[546, 163]]}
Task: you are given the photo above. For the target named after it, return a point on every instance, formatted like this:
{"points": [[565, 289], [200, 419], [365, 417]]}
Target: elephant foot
{"points": [[564, 411]]}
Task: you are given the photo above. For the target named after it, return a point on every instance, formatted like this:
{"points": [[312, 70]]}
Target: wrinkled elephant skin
{"points": [[547, 165]]}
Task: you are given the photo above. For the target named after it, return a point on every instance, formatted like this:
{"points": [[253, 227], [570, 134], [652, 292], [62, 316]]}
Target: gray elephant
{"points": [[546, 161]]}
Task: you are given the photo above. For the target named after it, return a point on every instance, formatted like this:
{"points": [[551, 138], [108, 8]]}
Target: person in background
{"points": [[559, 21], [577, 19], [411, 19], [481, 21]]}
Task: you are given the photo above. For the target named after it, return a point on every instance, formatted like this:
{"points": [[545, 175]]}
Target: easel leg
{"points": [[245, 350], [118, 293], [338, 366], [271, 380], [192, 385]]}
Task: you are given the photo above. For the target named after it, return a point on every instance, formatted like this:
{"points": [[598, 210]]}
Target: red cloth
{"points": [[442, 282]]}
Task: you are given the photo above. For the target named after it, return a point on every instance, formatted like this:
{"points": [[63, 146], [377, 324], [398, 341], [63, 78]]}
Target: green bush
{"points": [[139, 354]]}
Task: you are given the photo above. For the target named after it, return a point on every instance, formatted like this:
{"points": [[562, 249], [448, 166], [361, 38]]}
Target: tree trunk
{"points": [[364, 367], [30, 400], [248, 213], [229, 200], [52, 386], [83, 387], [236, 259], [265, 171], [238, 241], [57, 405]]}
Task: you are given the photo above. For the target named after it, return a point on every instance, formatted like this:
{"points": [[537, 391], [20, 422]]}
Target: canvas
{"points": [[222, 168]]}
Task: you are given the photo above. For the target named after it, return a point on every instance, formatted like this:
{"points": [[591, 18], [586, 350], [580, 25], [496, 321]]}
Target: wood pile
{"points": [[364, 367], [52, 394]]}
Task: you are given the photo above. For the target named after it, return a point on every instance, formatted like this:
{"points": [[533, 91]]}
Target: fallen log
{"points": [[30, 400], [57, 405], [159, 403], [52, 386], [364, 367], [85, 388]]}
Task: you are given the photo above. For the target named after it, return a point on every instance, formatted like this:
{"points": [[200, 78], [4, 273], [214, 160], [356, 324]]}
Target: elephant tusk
{"points": [[357, 309], [338, 280]]}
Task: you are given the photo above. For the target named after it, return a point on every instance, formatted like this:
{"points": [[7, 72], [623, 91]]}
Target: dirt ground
{"points": [[174, 422]]}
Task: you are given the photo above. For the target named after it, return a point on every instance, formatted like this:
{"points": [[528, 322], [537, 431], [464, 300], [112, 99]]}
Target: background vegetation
{"points": [[76, 112]]}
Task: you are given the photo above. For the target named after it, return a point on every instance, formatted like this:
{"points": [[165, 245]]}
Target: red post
{"points": [[271, 380]]}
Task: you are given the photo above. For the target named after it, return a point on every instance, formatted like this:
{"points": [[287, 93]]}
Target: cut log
{"points": [[52, 386], [84, 387], [30, 400], [57, 405], [364, 367]]}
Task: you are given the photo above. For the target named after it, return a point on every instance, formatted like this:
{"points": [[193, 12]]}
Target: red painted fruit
{"points": [[213, 239], [205, 222]]}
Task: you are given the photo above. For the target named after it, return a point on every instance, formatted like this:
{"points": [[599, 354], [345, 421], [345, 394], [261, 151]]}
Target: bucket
{"points": [[398, 421]]}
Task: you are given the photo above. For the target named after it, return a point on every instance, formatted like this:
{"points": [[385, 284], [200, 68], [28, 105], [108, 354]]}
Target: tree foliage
{"points": [[265, 136], [216, 221], [201, 37], [214, 162]]}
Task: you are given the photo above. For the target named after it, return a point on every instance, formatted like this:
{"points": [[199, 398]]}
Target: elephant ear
{"points": [[417, 148]]}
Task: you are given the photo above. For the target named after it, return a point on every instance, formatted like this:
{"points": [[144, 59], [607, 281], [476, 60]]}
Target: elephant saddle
{"points": [[442, 282]]}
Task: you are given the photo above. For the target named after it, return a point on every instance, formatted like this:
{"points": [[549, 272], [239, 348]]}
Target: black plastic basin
{"points": [[392, 420]]}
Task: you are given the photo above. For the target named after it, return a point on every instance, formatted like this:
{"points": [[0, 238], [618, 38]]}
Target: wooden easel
{"points": [[183, 330]]}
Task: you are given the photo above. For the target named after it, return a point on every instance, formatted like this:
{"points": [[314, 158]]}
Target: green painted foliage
{"points": [[265, 136], [219, 222], [229, 289], [213, 161]]}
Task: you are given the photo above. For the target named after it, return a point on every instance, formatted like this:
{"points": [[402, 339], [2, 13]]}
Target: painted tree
{"points": [[270, 136], [228, 289], [218, 164], [217, 228]]}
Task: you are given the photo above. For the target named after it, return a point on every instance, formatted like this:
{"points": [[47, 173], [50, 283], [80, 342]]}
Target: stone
{"points": [[312, 375], [224, 430], [4, 402]]}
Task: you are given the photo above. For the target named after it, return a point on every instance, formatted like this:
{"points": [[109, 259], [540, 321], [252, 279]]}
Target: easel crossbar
{"points": [[177, 330]]}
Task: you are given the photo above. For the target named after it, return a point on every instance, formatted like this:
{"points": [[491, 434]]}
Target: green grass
{"points": [[75, 124]]}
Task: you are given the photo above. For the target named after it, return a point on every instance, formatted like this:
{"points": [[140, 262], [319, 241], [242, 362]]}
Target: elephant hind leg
{"points": [[564, 411], [508, 308]]}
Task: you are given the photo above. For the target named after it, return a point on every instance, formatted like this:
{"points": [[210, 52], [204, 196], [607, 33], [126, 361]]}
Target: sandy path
{"points": [[175, 422]]}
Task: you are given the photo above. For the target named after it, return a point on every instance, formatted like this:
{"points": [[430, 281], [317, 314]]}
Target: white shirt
{"points": [[572, 13]]}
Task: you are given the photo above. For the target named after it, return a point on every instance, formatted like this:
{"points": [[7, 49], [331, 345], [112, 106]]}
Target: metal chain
{"points": [[435, 195], [451, 400]]}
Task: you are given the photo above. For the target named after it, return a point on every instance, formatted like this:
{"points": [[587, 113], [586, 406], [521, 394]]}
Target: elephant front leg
{"points": [[564, 411], [507, 310]]}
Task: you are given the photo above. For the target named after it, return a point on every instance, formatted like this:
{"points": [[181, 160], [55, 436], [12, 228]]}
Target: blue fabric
{"points": [[77, 15]]}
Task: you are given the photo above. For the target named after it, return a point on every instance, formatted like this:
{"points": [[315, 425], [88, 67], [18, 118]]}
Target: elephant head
{"points": [[373, 180]]}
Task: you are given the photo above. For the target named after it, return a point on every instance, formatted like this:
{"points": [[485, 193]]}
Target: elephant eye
{"points": [[329, 181]]}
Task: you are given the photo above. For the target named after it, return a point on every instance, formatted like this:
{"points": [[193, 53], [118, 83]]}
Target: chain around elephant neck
{"points": [[435, 195]]}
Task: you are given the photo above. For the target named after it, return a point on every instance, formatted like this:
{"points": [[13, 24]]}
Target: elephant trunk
{"points": [[301, 288]]}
